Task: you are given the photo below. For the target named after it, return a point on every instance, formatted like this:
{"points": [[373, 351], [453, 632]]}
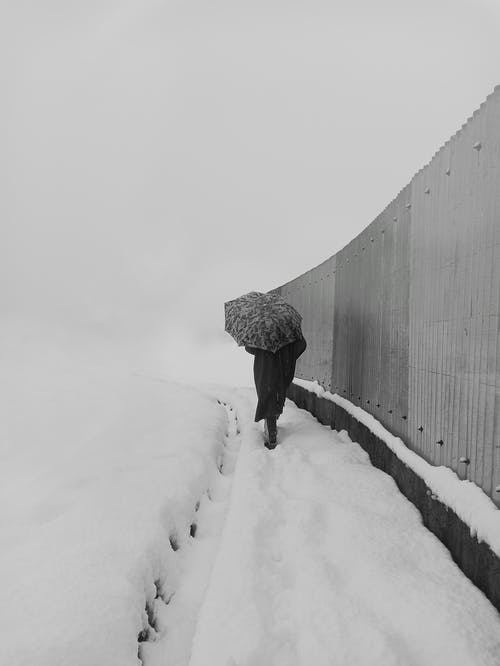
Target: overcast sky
{"points": [[163, 156]]}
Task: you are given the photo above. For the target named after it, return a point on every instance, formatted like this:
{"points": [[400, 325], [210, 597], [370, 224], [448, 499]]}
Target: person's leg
{"points": [[267, 383], [271, 430], [265, 376], [286, 363]]}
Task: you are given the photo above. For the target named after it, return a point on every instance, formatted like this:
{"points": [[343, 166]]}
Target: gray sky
{"points": [[165, 156]]}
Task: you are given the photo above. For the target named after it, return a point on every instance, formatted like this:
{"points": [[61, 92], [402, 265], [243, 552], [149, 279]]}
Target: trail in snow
{"points": [[322, 561], [174, 617]]}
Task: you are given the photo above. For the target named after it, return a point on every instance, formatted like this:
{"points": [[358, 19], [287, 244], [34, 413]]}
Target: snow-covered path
{"points": [[322, 561], [143, 522]]}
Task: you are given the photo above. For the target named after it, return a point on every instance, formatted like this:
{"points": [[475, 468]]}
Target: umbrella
{"points": [[265, 321]]}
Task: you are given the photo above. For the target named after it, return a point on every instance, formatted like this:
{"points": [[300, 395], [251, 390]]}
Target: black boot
{"points": [[271, 430]]}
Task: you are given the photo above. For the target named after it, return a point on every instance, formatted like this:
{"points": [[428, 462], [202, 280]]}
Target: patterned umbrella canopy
{"points": [[265, 321]]}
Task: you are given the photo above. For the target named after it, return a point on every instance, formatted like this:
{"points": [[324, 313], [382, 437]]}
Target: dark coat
{"points": [[273, 374]]}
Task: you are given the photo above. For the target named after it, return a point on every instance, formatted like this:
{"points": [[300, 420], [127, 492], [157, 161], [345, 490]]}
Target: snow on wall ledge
{"points": [[464, 497]]}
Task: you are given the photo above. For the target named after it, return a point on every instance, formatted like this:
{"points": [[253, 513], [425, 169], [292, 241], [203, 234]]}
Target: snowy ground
{"points": [[143, 520]]}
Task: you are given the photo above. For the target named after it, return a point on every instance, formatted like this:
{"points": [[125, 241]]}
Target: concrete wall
{"points": [[404, 321]]}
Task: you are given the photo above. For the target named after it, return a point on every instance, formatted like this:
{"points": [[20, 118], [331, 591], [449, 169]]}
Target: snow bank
{"points": [[466, 499], [101, 469], [322, 561]]}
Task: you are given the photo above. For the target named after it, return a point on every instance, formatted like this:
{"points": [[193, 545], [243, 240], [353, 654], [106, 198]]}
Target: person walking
{"points": [[269, 328], [273, 373]]}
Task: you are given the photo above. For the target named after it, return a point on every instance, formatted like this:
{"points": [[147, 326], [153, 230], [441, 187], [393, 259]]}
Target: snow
{"points": [[99, 467], [466, 499], [323, 561], [133, 506], [176, 621]]}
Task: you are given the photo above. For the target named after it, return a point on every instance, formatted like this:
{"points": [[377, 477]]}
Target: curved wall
{"points": [[404, 321]]}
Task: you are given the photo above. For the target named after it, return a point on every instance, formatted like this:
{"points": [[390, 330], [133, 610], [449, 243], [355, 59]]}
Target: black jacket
{"points": [[273, 373]]}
